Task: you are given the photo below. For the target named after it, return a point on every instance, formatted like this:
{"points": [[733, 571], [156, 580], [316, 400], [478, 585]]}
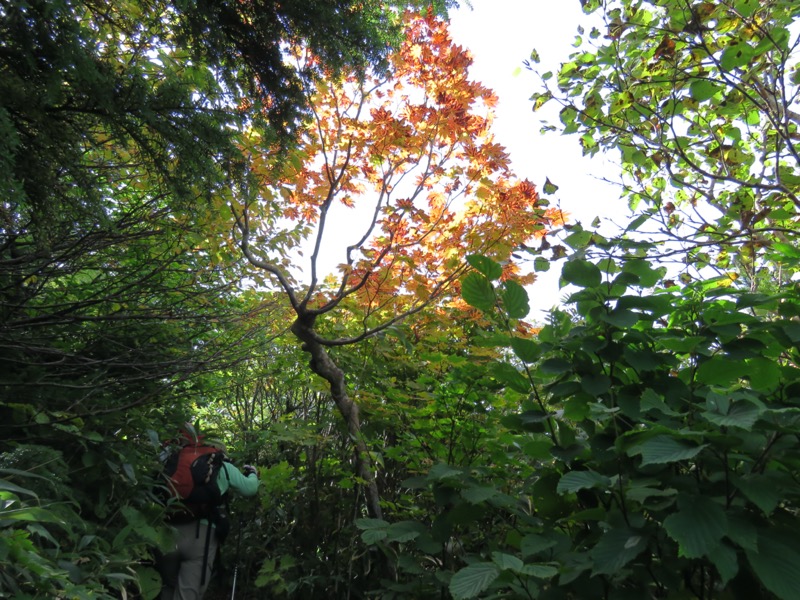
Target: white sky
{"points": [[501, 34]]}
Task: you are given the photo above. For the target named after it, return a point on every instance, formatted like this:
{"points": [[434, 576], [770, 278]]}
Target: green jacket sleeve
{"points": [[232, 478]]}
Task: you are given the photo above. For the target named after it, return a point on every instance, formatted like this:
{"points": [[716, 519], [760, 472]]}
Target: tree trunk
{"points": [[322, 364]]}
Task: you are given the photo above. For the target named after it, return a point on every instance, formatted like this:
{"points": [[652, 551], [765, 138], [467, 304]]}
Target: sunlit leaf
{"points": [[515, 300], [477, 291], [486, 266]]}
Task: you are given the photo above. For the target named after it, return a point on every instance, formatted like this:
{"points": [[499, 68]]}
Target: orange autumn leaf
{"points": [[404, 172]]}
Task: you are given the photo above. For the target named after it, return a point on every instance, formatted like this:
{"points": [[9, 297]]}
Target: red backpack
{"points": [[191, 475]]}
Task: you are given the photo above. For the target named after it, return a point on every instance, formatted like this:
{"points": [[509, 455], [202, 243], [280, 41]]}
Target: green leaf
{"points": [[742, 531], [507, 562], [702, 89], [366, 524], [580, 480], [616, 549], [526, 350], [478, 494], [765, 491], [533, 544], [719, 370], [621, 318], [648, 276], [31, 513], [595, 384], [7, 486], [741, 414], [640, 492], [404, 531], [477, 291], [515, 300], [508, 375], [540, 571], [736, 55], [653, 401], [662, 449], [374, 530], [149, 582], [549, 187], [441, 471], [555, 366], [777, 563], [373, 536], [724, 558], [472, 580], [746, 8], [579, 239], [762, 373], [486, 266], [581, 273], [698, 526]]}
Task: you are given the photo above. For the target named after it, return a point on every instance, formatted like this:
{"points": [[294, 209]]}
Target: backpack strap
{"points": [[210, 527]]}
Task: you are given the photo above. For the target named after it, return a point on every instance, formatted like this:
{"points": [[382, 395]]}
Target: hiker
{"points": [[199, 517]]}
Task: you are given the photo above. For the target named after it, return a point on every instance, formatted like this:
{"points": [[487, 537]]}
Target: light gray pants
{"points": [[182, 569]]}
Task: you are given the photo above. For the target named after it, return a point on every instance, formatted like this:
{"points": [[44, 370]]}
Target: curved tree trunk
{"points": [[322, 364]]}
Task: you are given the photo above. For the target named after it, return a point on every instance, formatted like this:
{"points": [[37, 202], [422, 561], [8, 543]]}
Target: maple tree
{"points": [[412, 156]]}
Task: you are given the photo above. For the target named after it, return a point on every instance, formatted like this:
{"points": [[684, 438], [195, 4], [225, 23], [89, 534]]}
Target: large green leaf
{"points": [[472, 580], [581, 273], [777, 563], [533, 544], [653, 401], [440, 472], [595, 384], [621, 318], [725, 560], [703, 89], [540, 571], [741, 414], [648, 276], [526, 350], [7, 486], [149, 582], [736, 55], [489, 268], [365, 524], [719, 370], [515, 300], [766, 490], [579, 480], [662, 449], [477, 494], [616, 549], [698, 526], [507, 562], [373, 530], [508, 375], [477, 291], [404, 531], [763, 373]]}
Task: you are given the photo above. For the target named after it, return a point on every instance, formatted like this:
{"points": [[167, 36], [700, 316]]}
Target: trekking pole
{"points": [[236, 564]]}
